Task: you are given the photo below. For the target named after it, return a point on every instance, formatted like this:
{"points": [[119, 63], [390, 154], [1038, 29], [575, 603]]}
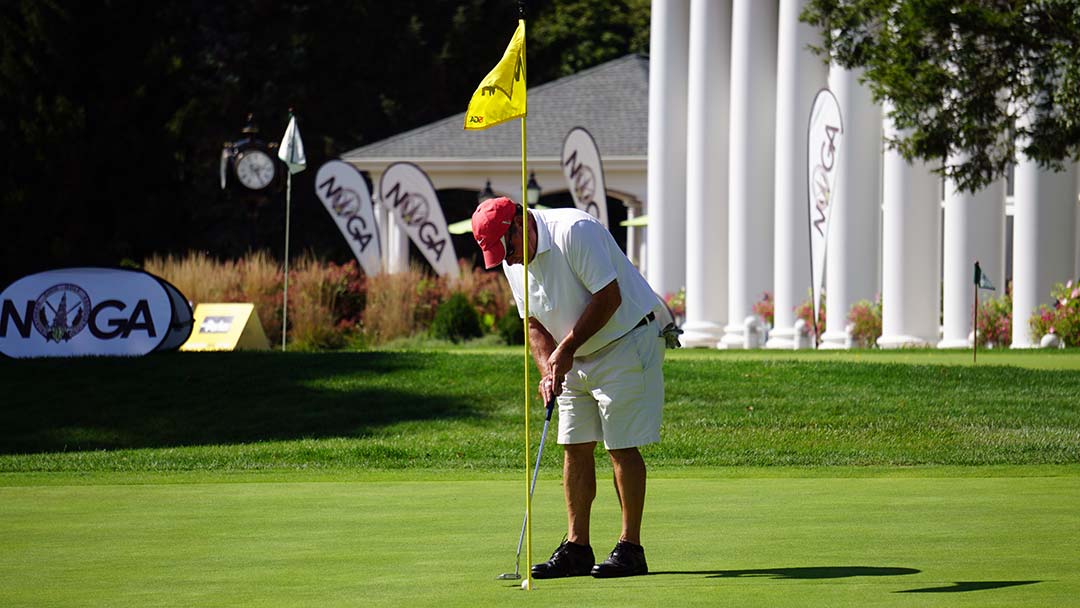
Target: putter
{"points": [[516, 574]]}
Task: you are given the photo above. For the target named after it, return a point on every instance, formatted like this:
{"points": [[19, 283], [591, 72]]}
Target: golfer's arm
{"points": [[541, 344], [598, 311]]}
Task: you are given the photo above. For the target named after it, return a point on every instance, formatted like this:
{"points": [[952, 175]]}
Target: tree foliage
{"points": [[971, 81], [572, 36], [113, 112]]}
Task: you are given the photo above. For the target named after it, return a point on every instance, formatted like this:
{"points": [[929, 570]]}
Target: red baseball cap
{"points": [[490, 222]]}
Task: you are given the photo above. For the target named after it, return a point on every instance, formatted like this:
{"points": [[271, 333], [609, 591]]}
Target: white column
{"points": [[668, 49], [1076, 231], [800, 74], [910, 257], [398, 249], [974, 230], [750, 160], [1044, 209], [633, 210], [851, 258], [706, 172]]}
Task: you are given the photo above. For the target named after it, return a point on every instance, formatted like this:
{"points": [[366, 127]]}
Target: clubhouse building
{"points": [[706, 141]]}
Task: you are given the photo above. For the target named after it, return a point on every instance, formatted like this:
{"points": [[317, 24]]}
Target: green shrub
{"points": [[456, 320], [512, 329]]}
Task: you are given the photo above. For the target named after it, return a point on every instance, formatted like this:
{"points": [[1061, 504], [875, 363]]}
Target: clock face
{"points": [[255, 169]]}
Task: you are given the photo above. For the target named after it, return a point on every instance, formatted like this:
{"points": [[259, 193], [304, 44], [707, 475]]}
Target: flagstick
{"points": [[975, 325], [285, 301], [525, 251], [525, 257]]}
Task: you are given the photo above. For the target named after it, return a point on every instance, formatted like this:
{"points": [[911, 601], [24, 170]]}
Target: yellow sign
{"points": [[226, 327]]}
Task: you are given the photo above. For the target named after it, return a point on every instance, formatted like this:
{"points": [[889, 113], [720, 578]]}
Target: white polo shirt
{"points": [[575, 258]]}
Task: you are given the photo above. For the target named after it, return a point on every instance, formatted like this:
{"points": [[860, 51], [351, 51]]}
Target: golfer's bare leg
{"points": [[630, 484], [579, 481]]}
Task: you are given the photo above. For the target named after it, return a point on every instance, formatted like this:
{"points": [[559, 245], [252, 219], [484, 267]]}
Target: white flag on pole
{"points": [[291, 151], [823, 146]]}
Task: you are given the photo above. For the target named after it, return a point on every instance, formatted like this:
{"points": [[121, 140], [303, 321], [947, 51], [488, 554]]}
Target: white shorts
{"points": [[616, 394]]}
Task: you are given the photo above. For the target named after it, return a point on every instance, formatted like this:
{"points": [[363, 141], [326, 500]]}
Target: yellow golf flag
{"points": [[501, 94]]}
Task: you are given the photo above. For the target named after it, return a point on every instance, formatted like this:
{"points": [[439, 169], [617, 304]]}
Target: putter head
{"points": [[508, 576]]}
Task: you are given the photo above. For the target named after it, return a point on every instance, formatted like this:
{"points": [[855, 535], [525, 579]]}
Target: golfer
{"points": [[593, 332]]}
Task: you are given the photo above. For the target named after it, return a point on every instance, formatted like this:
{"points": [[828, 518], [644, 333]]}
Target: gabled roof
{"points": [[611, 100]]}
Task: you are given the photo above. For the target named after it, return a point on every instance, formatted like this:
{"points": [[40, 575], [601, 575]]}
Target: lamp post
{"points": [[486, 193], [532, 190]]}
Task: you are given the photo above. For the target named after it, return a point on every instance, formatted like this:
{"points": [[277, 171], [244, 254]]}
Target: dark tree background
{"points": [[113, 112]]}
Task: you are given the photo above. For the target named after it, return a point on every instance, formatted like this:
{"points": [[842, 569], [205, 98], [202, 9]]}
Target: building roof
{"points": [[611, 100]]}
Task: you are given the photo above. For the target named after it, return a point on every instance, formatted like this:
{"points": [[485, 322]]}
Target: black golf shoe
{"points": [[626, 559], [570, 559]]}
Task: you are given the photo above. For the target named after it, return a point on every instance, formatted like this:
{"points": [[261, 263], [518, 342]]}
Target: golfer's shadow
{"points": [[812, 572], [823, 572]]}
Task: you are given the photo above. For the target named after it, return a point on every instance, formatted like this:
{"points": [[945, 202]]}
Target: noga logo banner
{"points": [[823, 138], [585, 173], [91, 311], [406, 190], [344, 193]]}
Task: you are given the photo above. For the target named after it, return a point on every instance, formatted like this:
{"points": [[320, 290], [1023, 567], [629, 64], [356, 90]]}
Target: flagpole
{"points": [[975, 318], [291, 153], [525, 257], [975, 329], [285, 300], [974, 315], [495, 101]]}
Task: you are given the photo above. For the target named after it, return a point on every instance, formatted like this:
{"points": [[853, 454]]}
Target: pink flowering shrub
{"points": [[805, 311], [993, 321], [1062, 319], [677, 302], [764, 308], [865, 317]]}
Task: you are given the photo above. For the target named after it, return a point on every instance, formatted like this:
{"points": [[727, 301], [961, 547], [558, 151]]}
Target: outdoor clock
{"points": [[255, 169], [250, 164]]}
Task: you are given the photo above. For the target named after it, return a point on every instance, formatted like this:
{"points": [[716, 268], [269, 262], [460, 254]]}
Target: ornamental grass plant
{"points": [[315, 291], [390, 310], [335, 305], [198, 276], [261, 279]]}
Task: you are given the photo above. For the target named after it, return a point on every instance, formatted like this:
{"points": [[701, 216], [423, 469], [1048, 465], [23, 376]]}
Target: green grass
{"points": [[711, 540], [462, 410], [394, 478]]}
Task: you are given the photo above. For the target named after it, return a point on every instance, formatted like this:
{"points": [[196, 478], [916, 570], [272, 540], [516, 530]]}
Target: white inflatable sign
{"points": [[91, 311]]}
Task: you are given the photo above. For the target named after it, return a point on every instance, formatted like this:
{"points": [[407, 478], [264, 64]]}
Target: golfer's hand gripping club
{"points": [[550, 387]]}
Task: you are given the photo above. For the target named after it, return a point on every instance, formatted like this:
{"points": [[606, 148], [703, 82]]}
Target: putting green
{"points": [[719, 539]]}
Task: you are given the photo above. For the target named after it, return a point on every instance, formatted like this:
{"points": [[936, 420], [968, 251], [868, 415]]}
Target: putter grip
{"points": [[550, 406]]}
